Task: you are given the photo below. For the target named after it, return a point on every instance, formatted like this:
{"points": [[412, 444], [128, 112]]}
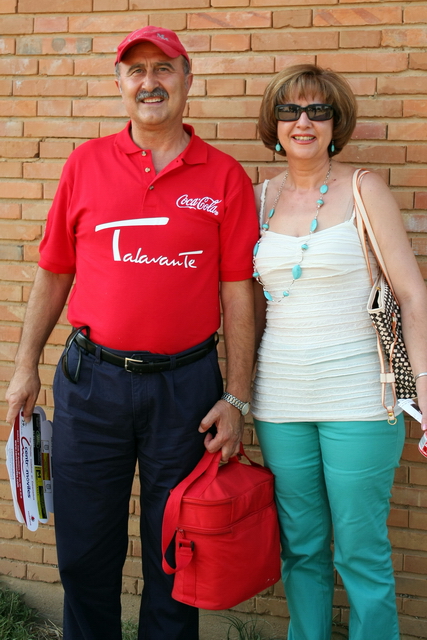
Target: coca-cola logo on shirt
{"points": [[204, 203]]}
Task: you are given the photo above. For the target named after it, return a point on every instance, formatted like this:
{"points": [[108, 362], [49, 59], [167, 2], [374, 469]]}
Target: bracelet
{"points": [[424, 373]]}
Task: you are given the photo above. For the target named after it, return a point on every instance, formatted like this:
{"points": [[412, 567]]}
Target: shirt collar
{"points": [[194, 153]]}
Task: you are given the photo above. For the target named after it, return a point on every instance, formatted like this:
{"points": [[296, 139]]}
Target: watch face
{"points": [[245, 409]]}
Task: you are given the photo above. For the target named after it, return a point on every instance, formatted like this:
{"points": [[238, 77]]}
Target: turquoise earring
{"points": [[278, 147], [332, 146]]}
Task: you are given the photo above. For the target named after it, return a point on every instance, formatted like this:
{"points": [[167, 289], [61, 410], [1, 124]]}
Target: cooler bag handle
{"points": [[208, 468]]}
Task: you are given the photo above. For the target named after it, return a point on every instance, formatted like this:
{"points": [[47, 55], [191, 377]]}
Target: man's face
{"points": [[154, 87]]}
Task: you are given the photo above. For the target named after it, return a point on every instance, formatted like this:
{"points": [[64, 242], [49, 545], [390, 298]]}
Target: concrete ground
{"points": [[47, 599]]}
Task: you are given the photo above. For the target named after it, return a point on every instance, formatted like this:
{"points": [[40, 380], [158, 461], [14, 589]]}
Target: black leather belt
{"points": [[148, 363]]}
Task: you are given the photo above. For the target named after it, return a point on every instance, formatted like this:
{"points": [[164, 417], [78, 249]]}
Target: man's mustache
{"points": [[157, 93]]}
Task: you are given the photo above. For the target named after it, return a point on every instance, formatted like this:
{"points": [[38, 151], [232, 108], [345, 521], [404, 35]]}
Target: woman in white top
{"points": [[319, 416]]}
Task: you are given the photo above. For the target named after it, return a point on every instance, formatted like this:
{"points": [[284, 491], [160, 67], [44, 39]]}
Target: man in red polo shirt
{"points": [[154, 227]]}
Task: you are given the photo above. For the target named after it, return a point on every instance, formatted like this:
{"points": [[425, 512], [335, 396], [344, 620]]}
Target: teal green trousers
{"points": [[335, 478]]}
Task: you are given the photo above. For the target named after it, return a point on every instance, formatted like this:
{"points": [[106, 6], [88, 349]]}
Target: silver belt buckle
{"points": [[132, 360]]}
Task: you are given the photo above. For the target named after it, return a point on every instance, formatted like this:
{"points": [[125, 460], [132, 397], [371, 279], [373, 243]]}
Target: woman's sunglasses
{"points": [[292, 112]]}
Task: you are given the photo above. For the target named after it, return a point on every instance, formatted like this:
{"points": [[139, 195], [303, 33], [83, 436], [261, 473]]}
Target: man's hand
{"points": [[22, 393], [229, 425]]}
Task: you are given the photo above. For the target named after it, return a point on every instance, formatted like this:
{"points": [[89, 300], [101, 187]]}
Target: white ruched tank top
{"points": [[318, 358]]}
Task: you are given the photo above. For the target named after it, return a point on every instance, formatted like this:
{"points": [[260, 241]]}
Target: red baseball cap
{"points": [[165, 39]]}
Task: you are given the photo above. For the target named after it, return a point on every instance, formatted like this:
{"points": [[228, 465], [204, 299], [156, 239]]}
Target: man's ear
{"points": [[118, 85]]}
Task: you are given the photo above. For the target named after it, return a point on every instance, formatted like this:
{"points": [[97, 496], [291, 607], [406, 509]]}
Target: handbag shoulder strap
{"points": [[365, 229]]}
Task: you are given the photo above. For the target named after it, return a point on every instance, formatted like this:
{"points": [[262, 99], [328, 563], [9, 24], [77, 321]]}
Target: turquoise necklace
{"points": [[296, 269]]}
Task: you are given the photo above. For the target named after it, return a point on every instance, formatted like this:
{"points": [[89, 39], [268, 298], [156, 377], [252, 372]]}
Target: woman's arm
{"points": [[404, 273]]}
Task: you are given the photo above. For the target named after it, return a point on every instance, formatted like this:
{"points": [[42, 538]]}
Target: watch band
{"points": [[243, 407]]}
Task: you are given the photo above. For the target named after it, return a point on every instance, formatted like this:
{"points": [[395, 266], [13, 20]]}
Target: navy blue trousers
{"points": [[103, 425]]}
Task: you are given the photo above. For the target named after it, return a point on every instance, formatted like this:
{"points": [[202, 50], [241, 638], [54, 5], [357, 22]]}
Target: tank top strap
{"points": [[262, 202]]}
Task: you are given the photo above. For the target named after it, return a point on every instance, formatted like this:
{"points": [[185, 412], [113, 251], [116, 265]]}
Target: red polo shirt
{"points": [[149, 250]]}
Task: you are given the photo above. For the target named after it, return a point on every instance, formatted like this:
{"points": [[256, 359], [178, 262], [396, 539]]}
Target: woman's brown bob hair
{"points": [[305, 81]]}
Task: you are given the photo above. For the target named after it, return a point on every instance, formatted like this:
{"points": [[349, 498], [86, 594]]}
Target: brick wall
{"points": [[57, 90]]}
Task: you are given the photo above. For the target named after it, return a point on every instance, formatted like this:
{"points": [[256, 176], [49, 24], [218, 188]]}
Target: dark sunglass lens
{"points": [[320, 112], [287, 112]]}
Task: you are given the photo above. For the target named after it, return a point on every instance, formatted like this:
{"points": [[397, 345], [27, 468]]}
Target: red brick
{"points": [[407, 84], [50, 87], [404, 199], [6, 87], [225, 86], [421, 200], [216, 108], [230, 42], [16, 25], [10, 169], [11, 128], [415, 222], [407, 131], [198, 88], [230, 3], [414, 108], [195, 42], [34, 210], [404, 37], [61, 129], [56, 67], [398, 518], [414, 607], [10, 211], [61, 6], [416, 14], [12, 568], [378, 154], [108, 128], [99, 108], [370, 131], [49, 190], [95, 23], [7, 46], [31, 253], [18, 108], [255, 86], [94, 67], [357, 16], [246, 152], [418, 520], [55, 149], [10, 293], [10, 252], [205, 130], [42, 170], [411, 586], [283, 61], [232, 64], [18, 66], [418, 61], [101, 88], [417, 153], [169, 20], [295, 18], [18, 149], [360, 39], [294, 40], [106, 44], [275, 3], [409, 177], [110, 5], [20, 190], [53, 108], [237, 131], [231, 19], [51, 24], [364, 62], [8, 6], [377, 108], [168, 4]]}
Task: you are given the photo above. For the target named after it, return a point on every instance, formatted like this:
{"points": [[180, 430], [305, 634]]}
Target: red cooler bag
{"points": [[224, 521]]}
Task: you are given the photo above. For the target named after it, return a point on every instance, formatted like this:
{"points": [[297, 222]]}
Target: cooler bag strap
{"points": [[207, 467]]}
